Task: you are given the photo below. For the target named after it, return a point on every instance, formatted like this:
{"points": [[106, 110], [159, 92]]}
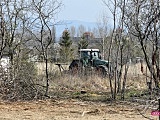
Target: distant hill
{"points": [[76, 23]]}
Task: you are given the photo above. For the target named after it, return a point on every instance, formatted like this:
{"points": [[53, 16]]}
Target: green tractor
{"points": [[90, 59]]}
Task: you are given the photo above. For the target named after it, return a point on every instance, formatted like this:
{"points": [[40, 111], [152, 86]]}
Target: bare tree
{"points": [[112, 6], [81, 30], [26, 25], [13, 22], [102, 25], [119, 44], [142, 19], [2, 32], [44, 13], [72, 31]]}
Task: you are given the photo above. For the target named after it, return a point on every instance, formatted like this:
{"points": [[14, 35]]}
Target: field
{"points": [[135, 79], [75, 98]]}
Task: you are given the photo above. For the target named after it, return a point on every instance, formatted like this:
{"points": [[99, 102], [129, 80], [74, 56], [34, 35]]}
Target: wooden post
{"points": [[60, 67]]}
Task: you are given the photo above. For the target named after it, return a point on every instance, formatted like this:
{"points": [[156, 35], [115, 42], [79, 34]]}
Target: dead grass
{"points": [[135, 79], [52, 68], [76, 83], [68, 82]]}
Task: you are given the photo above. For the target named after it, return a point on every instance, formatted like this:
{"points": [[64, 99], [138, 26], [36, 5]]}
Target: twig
{"points": [[144, 115]]}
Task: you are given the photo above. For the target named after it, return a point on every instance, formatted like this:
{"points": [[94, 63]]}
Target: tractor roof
{"points": [[89, 50]]}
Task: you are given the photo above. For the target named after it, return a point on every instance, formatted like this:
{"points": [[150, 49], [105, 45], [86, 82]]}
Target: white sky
{"points": [[83, 10]]}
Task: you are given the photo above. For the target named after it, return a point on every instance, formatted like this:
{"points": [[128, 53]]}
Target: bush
{"points": [[20, 82]]}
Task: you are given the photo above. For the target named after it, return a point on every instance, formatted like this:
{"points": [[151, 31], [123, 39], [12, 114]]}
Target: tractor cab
{"points": [[90, 53], [89, 56]]}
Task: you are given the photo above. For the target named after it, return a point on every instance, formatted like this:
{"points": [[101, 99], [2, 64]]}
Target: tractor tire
{"points": [[102, 71], [74, 67]]}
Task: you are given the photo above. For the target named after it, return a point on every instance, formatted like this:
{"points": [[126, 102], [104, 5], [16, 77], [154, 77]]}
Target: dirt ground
{"points": [[68, 110]]}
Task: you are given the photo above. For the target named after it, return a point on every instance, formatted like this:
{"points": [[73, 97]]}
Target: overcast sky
{"points": [[83, 10]]}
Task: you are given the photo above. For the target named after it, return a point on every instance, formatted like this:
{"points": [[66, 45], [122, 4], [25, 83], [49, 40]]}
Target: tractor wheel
{"points": [[74, 67], [74, 70], [101, 71]]}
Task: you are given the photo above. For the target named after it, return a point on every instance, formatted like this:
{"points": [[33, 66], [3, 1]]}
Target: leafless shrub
{"points": [[23, 87]]}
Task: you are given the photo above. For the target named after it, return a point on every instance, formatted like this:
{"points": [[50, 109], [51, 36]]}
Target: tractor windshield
{"points": [[95, 55], [90, 54], [85, 54]]}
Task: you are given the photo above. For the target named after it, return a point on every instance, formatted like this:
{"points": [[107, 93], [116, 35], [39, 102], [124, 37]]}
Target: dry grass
{"points": [[93, 83], [52, 68], [135, 79], [76, 82]]}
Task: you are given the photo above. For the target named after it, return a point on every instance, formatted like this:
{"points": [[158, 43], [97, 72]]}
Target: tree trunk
{"points": [[124, 82], [47, 76], [120, 71]]}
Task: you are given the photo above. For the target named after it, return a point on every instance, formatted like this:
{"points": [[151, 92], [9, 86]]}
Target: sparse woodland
{"points": [[27, 38]]}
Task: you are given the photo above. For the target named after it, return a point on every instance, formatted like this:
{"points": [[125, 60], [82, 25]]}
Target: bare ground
{"points": [[71, 109]]}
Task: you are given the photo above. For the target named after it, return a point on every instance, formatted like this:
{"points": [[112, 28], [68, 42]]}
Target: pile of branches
{"points": [[21, 90], [20, 87]]}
